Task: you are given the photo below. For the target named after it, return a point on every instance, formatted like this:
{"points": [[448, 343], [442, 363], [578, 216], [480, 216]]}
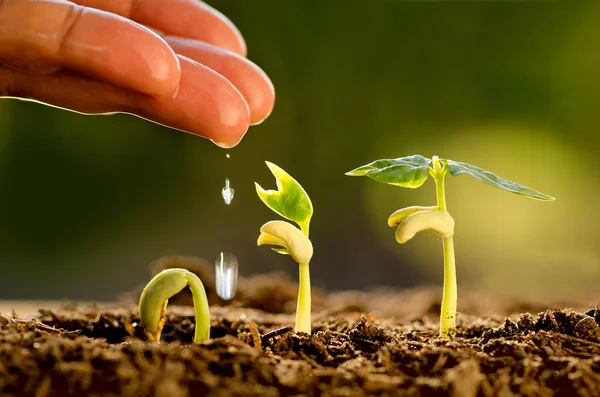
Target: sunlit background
{"points": [[86, 203]]}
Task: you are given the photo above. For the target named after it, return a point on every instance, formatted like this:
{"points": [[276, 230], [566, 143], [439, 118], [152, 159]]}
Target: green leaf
{"points": [[411, 171], [456, 168], [289, 200]]}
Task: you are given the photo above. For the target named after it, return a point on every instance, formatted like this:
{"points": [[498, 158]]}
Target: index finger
{"points": [[185, 18]]}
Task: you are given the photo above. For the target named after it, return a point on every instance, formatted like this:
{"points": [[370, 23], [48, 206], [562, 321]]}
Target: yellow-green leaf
{"points": [[290, 200]]}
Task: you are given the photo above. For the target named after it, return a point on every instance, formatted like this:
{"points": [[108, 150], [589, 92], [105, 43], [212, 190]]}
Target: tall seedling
{"points": [[411, 172], [291, 202]]}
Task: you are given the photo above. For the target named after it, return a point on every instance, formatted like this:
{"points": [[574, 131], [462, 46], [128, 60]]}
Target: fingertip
{"points": [[220, 111], [227, 145], [207, 105], [252, 82], [264, 104], [258, 90], [164, 67], [226, 35]]}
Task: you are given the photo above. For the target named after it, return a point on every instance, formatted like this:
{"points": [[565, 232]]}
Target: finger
{"points": [[254, 85], [66, 89], [96, 43], [206, 103], [186, 18]]}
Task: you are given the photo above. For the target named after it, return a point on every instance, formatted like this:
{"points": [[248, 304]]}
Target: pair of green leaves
{"points": [[412, 172]]}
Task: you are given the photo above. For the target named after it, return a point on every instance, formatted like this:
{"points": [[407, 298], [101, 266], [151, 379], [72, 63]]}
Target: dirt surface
{"points": [[382, 343]]}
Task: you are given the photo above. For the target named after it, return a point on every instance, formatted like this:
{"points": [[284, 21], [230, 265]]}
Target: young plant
{"points": [[412, 172], [155, 296], [291, 202]]}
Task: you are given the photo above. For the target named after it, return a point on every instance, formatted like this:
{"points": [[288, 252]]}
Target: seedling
{"points": [[155, 297], [291, 202], [412, 172]]}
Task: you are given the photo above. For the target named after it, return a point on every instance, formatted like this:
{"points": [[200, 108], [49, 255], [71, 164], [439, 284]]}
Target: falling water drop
{"points": [[226, 269], [227, 155], [227, 192]]}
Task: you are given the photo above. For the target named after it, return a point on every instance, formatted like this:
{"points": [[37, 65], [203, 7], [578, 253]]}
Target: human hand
{"points": [[176, 62]]}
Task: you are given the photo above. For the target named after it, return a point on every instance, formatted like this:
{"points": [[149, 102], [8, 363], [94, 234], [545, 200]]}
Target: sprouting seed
{"points": [[227, 192], [226, 270], [156, 294]]}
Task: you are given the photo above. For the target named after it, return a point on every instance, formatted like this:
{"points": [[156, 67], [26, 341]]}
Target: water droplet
{"points": [[227, 192], [227, 155], [226, 269]]}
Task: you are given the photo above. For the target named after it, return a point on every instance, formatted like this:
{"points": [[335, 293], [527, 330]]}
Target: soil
{"points": [[382, 343]]}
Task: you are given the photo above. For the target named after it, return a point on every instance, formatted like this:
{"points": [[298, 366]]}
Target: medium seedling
{"points": [[411, 172], [154, 299], [291, 202]]}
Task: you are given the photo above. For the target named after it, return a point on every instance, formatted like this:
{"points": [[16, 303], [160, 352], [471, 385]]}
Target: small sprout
{"points": [[291, 202], [411, 172], [155, 296]]}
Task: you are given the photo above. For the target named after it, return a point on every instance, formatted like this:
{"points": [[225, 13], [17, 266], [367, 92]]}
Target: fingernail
{"points": [[259, 121], [270, 111], [226, 145], [223, 145]]}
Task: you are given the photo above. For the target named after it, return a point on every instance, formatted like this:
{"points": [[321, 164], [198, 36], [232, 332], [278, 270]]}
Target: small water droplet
{"points": [[226, 269], [227, 155], [227, 192]]}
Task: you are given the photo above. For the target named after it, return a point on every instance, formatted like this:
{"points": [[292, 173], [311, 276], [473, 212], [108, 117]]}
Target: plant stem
{"points": [[449, 294], [439, 175], [449, 297], [303, 323], [201, 309]]}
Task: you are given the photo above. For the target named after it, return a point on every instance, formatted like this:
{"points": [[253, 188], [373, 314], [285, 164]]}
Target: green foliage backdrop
{"points": [[87, 202]]}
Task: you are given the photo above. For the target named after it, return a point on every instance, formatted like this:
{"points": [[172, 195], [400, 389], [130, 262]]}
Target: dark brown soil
{"points": [[363, 344]]}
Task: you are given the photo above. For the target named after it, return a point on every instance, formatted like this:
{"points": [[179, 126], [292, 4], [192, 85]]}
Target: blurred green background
{"points": [[86, 203]]}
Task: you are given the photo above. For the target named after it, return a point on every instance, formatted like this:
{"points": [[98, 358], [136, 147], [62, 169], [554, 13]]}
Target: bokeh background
{"points": [[87, 202]]}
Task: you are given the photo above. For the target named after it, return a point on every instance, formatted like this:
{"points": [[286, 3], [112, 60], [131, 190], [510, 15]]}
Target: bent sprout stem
{"points": [[155, 297], [449, 294], [202, 312]]}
